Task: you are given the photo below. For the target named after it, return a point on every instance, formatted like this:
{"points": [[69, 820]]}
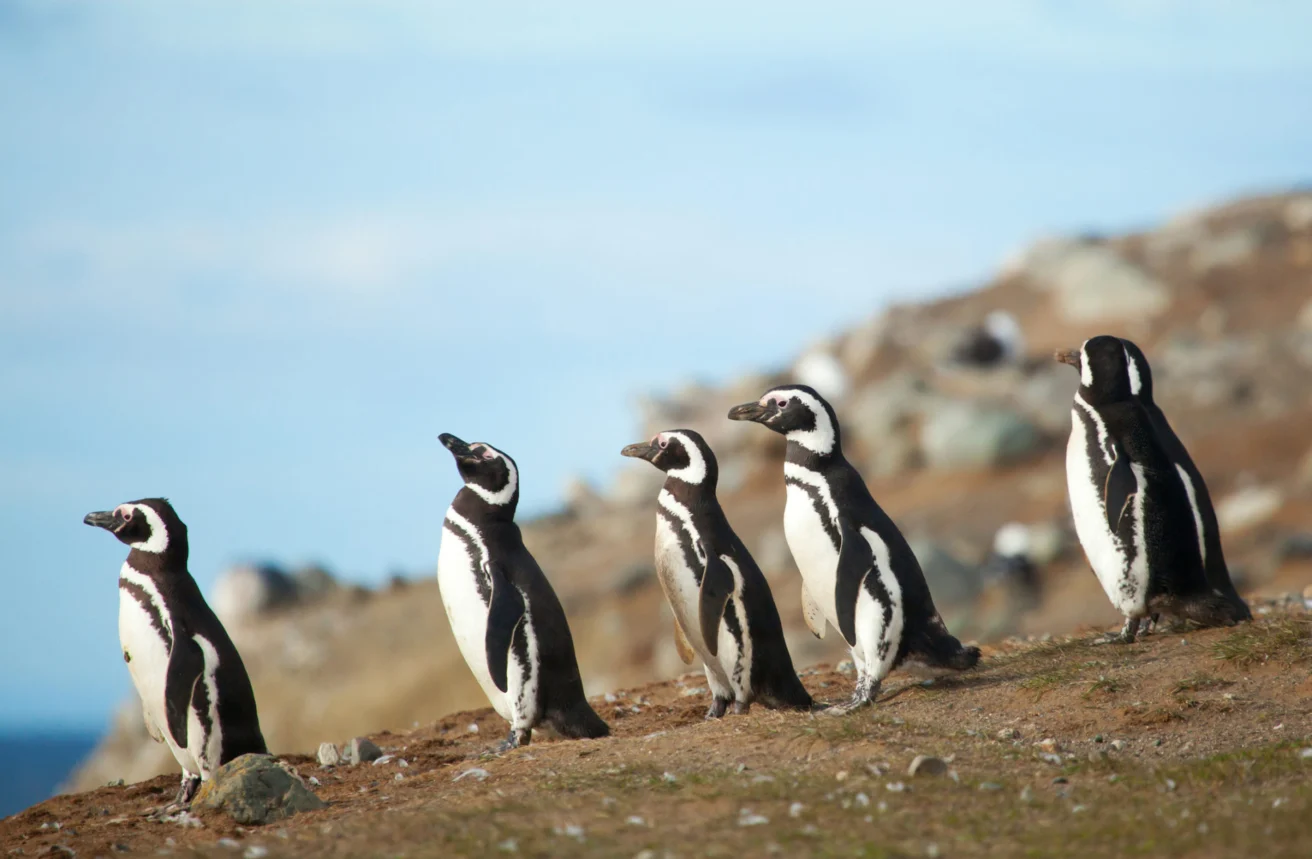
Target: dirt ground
{"points": [[1184, 744]]}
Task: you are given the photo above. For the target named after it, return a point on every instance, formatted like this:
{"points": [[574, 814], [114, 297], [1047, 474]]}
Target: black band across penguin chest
{"points": [[137, 593]]}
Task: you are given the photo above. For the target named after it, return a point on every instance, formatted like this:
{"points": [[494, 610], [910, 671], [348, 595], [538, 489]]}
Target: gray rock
{"points": [[244, 592], [973, 435], [926, 765], [1229, 248], [1298, 214], [361, 750], [819, 369], [1045, 395], [256, 789], [1092, 282], [637, 485], [989, 785], [328, 755], [1248, 507], [950, 581], [313, 582]]}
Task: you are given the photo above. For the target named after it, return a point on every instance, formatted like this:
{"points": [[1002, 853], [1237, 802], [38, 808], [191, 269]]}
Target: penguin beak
{"points": [[458, 448], [642, 450], [1068, 356], [749, 412], [103, 519]]}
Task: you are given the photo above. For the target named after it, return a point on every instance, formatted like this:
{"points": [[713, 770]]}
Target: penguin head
{"points": [[1105, 369], [149, 525], [681, 454], [797, 412], [488, 473]]}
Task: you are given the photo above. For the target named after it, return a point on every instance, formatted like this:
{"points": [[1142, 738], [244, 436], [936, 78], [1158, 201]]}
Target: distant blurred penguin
{"points": [[194, 690], [724, 612], [506, 618], [1136, 510], [998, 341], [1012, 562]]}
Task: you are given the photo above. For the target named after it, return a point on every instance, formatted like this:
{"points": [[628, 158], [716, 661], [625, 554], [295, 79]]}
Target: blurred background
{"points": [[255, 257]]}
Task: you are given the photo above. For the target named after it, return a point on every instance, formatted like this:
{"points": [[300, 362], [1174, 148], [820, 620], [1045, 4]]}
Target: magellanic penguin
{"points": [[1135, 506], [506, 618], [858, 573], [194, 691], [724, 613]]}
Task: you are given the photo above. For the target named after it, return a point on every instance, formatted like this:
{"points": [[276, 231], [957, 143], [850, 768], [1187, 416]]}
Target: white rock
{"points": [[1248, 507], [1092, 282], [819, 369], [974, 435], [926, 765], [795, 810], [1298, 214], [474, 772], [243, 592], [747, 818]]}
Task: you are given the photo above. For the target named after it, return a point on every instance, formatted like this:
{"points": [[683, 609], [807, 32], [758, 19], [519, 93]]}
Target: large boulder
{"points": [[1091, 282], [256, 789], [974, 435]]}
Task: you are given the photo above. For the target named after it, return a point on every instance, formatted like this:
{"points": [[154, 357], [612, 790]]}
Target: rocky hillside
{"points": [[957, 415]]}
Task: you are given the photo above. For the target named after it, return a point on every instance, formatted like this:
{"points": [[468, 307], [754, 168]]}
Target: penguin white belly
{"points": [[1106, 556], [879, 627], [813, 551], [679, 582], [735, 656], [147, 657], [457, 580]]}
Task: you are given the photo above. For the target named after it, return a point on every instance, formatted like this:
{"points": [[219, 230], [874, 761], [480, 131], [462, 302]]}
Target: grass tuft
{"points": [[1287, 640]]}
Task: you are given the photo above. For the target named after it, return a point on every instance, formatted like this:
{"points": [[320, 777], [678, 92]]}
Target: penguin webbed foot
{"points": [[740, 708], [187, 790], [518, 737], [719, 706], [862, 696]]}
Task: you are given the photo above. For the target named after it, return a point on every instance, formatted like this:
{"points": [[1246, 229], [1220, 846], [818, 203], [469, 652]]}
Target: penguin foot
{"points": [[863, 696], [188, 788], [518, 737], [740, 708], [718, 707]]}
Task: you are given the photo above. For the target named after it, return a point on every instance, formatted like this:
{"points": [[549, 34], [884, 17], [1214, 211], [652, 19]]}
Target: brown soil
{"points": [[1185, 744]]}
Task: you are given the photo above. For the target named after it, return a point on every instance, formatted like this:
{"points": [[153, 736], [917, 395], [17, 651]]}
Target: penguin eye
{"points": [[487, 454], [782, 402], [126, 513], [664, 443]]}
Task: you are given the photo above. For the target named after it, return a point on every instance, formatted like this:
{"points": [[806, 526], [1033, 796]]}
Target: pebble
{"points": [[398, 777], [314, 781], [862, 800], [385, 759], [403, 763], [230, 843], [1306, 754], [473, 728], [841, 775], [1008, 734], [1097, 756], [328, 755], [1061, 779], [510, 845], [926, 765], [989, 785], [570, 830], [1118, 745], [635, 820], [931, 850], [670, 777], [609, 698], [747, 818], [475, 772], [255, 851], [895, 787], [1077, 809], [1027, 794], [1051, 758], [846, 667], [1170, 784], [795, 810]]}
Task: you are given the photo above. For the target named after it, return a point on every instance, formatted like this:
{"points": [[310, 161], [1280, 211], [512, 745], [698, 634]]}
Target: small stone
{"points": [[361, 750], [1306, 754], [1077, 809], [230, 843], [1008, 734], [795, 810], [398, 777], [1118, 745], [314, 781], [1098, 738], [1170, 785], [570, 830], [1048, 745], [926, 765], [385, 759], [895, 787], [473, 728], [1027, 794], [255, 851], [474, 772], [670, 777], [747, 818], [845, 667], [862, 800], [1061, 779], [1055, 760], [1097, 756], [989, 785], [256, 789], [510, 845], [931, 850], [635, 820], [841, 775]]}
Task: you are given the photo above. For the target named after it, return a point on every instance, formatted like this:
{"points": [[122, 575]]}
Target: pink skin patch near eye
{"points": [[660, 441], [125, 511]]}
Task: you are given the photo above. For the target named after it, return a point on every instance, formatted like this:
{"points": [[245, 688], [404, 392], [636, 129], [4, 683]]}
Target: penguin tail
{"points": [[1214, 609], [941, 649], [579, 722], [787, 694]]}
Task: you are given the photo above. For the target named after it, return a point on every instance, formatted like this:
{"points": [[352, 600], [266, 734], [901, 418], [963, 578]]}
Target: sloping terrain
{"points": [[1220, 300], [1185, 744]]}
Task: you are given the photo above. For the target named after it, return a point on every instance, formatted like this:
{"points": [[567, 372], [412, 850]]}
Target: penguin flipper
{"points": [[681, 644], [717, 586], [855, 560], [186, 663], [813, 614], [1119, 491], [504, 614]]}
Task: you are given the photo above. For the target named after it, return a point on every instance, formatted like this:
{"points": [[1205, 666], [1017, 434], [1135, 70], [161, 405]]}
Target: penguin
{"points": [[1135, 508], [858, 573], [195, 693], [507, 620], [724, 613]]}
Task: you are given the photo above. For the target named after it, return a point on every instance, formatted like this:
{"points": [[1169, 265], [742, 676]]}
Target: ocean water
{"points": [[36, 762]]}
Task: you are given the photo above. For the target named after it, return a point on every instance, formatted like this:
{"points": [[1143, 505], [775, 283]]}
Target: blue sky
{"points": [[256, 256]]}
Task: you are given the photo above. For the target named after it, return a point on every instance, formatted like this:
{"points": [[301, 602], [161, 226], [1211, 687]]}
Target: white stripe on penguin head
{"points": [[505, 493], [817, 440], [1136, 383], [695, 471], [158, 540], [1086, 372]]}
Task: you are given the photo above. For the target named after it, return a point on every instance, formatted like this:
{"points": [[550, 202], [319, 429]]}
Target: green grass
{"points": [[1287, 640]]}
